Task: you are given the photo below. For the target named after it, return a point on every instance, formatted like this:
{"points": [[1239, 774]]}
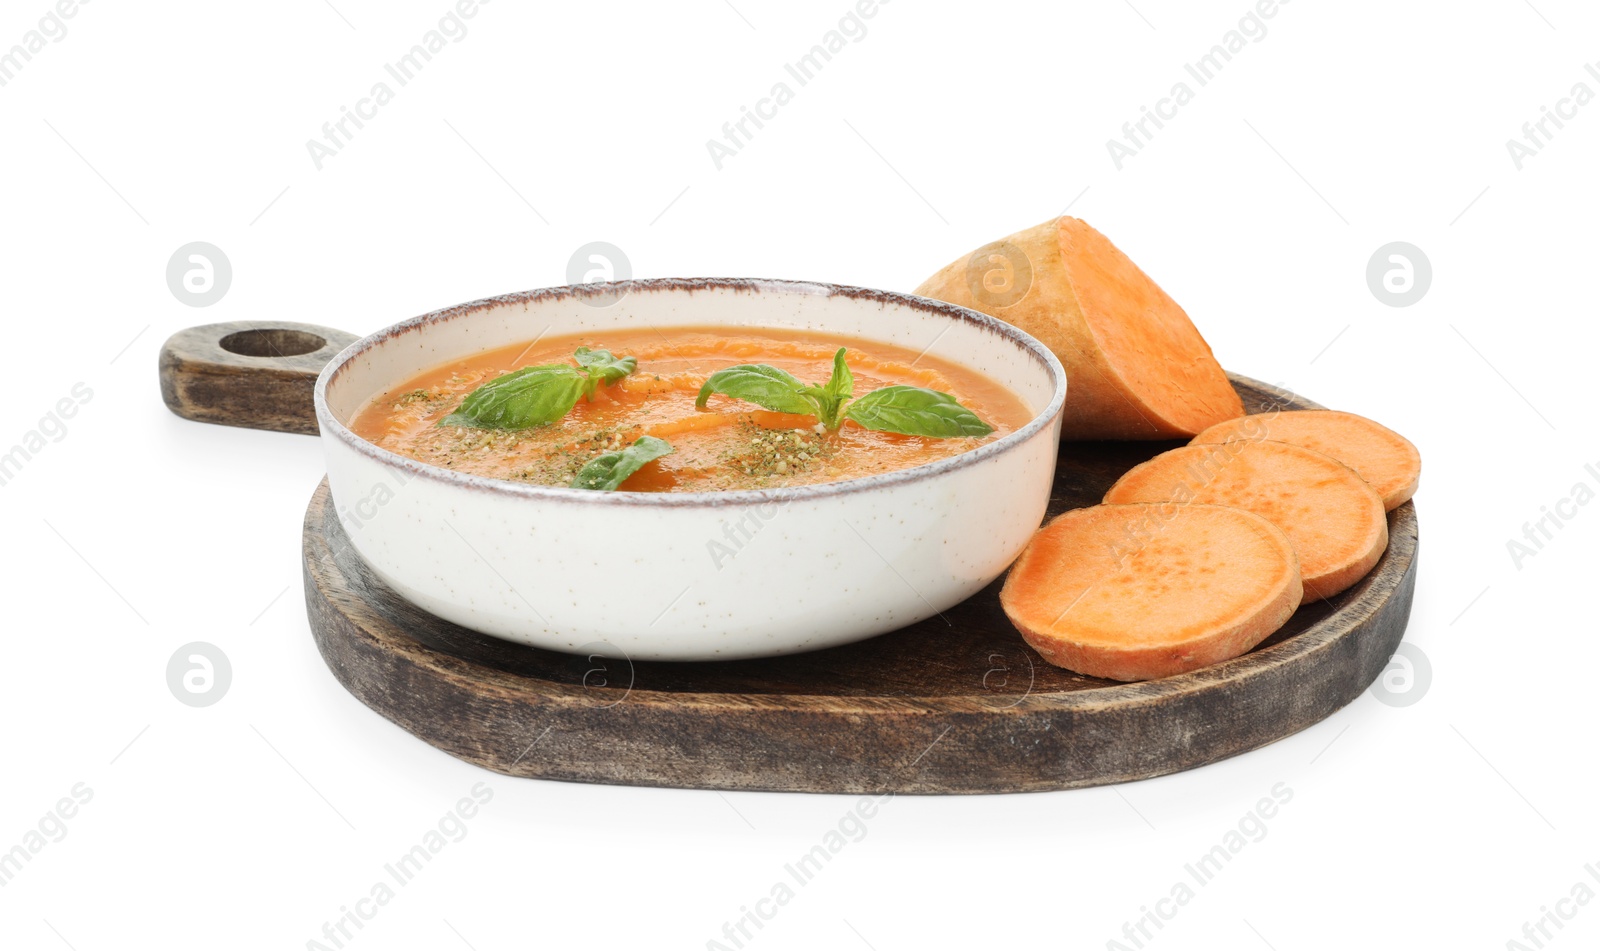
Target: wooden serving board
{"points": [[957, 707]]}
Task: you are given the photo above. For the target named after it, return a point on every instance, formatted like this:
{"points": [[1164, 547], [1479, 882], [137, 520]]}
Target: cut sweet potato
{"points": [[1136, 366], [1380, 455], [1135, 592], [1333, 517]]}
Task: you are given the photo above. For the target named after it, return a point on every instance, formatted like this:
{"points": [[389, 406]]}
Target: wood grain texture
{"points": [[255, 374], [957, 704]]}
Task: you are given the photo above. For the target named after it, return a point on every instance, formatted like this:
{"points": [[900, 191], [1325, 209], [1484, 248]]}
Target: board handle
{"points": [[248, 373]]}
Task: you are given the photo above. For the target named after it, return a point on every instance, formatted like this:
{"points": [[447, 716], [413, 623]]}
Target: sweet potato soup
{"points": [[728, 443]]}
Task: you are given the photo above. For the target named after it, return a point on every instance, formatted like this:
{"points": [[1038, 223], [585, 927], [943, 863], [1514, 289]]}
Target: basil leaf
{"points": [[610, 469], [762, 385], [916, 411], [832, 397], [604, 367], [842, 384], [531, 396]]}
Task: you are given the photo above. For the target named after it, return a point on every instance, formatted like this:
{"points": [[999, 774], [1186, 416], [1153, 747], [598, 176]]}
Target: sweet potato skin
{"points": [[1138, 557], [1138, 368], [1377, 453], [1334, 518]]}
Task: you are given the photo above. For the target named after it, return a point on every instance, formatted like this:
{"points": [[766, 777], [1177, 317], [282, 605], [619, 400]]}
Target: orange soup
{"points": [[729, 444]]}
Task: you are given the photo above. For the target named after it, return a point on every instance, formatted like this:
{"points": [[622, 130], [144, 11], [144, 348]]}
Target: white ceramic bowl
{"points": [[648, 574]]}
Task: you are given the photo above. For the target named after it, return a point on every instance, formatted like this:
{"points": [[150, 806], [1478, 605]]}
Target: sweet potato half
{"points": [[1137, 367], [1136, 592], [1332, 516], [1386, 459]]}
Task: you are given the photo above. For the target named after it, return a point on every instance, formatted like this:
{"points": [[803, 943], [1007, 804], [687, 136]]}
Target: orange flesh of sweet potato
{"points": [[1151, 346], [1334, 518], [1136, 592], [1386, 459], [1137, 368]]}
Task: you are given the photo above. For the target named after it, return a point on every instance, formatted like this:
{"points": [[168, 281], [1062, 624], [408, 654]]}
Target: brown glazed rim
{"points": [[334, 427]]}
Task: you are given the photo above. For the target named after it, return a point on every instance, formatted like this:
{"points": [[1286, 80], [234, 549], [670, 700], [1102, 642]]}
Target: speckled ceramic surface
{"points": [[651, 574]]}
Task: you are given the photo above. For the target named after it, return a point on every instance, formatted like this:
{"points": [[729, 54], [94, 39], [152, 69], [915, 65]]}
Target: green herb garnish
{"points": [[604, 367], [762, 385], [406, 399], [534, 396], [836, 392], [610, 469], [916, 411], [910, 410]]}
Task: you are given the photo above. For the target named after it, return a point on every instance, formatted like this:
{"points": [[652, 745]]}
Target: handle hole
{"points": [[272, 343]]}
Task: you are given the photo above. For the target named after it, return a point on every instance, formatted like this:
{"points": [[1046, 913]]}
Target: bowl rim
{"points": [[335, 428]]}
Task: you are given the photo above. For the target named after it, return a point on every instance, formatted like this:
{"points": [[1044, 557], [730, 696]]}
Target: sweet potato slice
{"points": [[1380, 455], [1333, 517], [1135, 592], [1138, 368]]}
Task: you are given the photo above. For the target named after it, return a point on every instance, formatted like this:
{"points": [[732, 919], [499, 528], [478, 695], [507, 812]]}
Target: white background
{"points": [[248, 824]]}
